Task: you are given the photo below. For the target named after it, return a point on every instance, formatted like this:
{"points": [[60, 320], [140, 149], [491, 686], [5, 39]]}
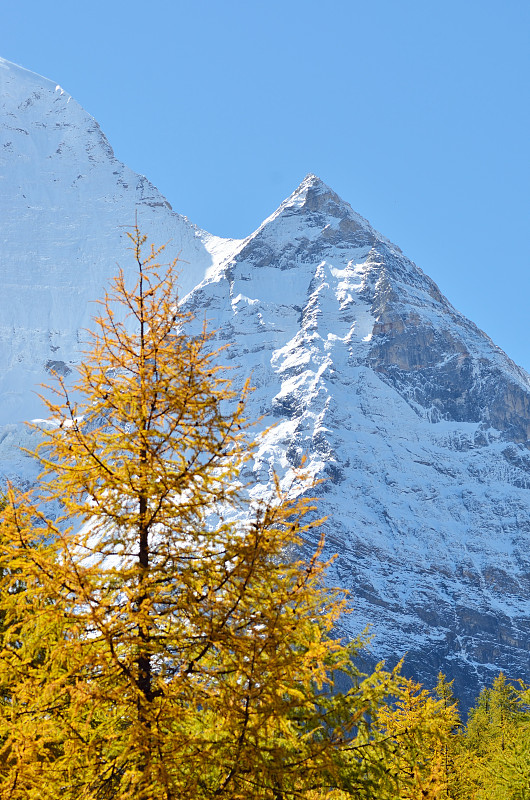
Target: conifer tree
{"points": [[155, 645], [497, 741], [419, 728], [450, 749]]}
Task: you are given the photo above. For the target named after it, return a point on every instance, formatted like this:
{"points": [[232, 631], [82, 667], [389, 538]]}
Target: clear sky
{"points": [[416, 112]]}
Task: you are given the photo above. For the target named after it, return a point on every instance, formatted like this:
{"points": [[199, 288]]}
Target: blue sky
{"points": [[415, 112]]}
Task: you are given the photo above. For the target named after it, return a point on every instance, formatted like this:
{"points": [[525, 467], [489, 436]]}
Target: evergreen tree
{"points": [[153, 644]]}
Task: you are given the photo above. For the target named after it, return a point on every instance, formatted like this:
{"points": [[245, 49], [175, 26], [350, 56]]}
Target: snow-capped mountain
{"points": [[65, 204], [418, 422]]}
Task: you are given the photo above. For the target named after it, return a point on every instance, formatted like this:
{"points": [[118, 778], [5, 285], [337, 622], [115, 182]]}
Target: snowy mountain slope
{"points": [[417, 420], [65, 203]]}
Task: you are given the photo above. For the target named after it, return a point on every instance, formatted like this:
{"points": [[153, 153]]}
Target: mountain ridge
{"points": [[397, 400], [417, 421]]}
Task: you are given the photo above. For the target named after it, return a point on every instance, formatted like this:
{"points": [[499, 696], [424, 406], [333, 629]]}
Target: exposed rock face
{"points": [[418, 422]]}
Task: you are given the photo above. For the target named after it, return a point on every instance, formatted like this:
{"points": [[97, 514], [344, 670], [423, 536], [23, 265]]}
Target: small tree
{"points": [[420, 728], [497, 741], [452, 744], [153, 644]]}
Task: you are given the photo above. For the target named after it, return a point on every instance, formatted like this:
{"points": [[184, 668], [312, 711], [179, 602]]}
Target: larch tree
{"points": [[497, 743], [419, 728], [157, 640], [452, 744]]}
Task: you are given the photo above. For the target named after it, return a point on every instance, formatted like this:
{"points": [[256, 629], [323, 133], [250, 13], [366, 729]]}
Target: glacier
{"points": [[417, 422]]}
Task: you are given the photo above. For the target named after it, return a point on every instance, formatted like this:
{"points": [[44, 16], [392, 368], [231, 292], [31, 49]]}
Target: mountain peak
{"points": [[316, 200], [314, 211], [315, 195], [314, 182]]}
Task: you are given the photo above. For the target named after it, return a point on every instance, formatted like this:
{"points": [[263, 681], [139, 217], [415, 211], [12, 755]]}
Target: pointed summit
{"points": [[312, 186], [418, 424], [314, 211], [313, 183], [315, 196]]}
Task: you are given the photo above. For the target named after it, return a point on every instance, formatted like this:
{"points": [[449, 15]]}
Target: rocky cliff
{"points": [[416, 420]]}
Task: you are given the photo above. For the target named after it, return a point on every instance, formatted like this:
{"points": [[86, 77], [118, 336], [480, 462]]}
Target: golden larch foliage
{"points": [[154, 645]]}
